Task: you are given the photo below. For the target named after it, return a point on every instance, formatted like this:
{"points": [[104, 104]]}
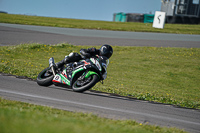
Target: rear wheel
{"points": [[45, 77], [81, 85]]}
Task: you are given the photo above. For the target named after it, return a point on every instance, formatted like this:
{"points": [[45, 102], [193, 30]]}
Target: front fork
{"points": [[52, 65]]}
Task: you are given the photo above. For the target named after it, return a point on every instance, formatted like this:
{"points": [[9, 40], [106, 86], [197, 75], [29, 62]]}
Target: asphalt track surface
{"points": [[12, 34], [104, 105], [101, 104]]}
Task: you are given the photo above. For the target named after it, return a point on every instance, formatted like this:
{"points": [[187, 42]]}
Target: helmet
{"points": [[106, 50]]}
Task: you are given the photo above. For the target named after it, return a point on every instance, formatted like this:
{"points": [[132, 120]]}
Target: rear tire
{"points": [[45, 78], [92, 82]]}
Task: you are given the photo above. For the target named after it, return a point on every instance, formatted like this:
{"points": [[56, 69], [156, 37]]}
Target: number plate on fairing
{"points": [[96, 63]]}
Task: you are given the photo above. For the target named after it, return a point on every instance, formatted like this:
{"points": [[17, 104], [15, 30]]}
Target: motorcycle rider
{"points": [[105, 50]]}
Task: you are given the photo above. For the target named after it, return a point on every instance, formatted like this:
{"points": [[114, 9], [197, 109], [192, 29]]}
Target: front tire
{"points": [[81, 87], [45, 78]]}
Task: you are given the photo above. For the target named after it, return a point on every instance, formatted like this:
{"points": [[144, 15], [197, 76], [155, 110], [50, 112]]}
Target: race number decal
{"points": [[57, 79], [96, 63]]}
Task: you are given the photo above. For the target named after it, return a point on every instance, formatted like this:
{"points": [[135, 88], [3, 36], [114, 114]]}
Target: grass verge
{"points": [[99, 25], [18, 117], [165, 75]]}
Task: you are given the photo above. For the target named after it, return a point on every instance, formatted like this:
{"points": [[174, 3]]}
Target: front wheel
{"points": [[45, 77], [85, 84]]}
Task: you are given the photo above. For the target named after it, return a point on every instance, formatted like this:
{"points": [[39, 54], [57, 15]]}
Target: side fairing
{"points": [[68, 74]]}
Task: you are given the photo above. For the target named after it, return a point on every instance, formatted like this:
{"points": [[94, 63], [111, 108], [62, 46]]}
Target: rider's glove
{"points": [[92, 50]]}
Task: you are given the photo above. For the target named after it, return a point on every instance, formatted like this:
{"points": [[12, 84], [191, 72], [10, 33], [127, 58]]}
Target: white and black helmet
{"points": [[106, 50]]}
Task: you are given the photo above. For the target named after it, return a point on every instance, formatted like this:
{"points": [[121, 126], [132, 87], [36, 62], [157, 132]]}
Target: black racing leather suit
{"points": [[75, 57]]}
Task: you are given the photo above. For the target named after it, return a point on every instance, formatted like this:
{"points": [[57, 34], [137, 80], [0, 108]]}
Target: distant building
{"points": [[181, 11], [177, 11], [133, 17]]}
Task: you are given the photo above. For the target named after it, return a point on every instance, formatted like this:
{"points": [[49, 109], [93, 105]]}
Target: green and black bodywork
{"points": [[80, 76]]}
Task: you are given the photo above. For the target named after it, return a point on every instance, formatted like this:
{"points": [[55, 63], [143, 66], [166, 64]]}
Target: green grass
{"points": [[18, 117], [99, 25], [165, 75]]}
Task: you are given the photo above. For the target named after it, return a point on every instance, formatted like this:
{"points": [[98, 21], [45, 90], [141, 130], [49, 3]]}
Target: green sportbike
{"points": [[79, 76]]}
